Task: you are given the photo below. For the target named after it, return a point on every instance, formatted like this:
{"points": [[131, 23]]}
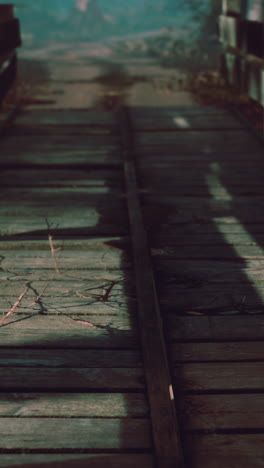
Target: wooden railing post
{"points": [[9, 41], [242, 35]]}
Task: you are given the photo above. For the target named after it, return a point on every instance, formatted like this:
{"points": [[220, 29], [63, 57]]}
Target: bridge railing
{"points": [[9, 40], [242, 35]]}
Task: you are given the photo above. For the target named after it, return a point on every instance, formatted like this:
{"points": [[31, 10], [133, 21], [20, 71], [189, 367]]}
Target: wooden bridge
{"points": [[131, 296]]}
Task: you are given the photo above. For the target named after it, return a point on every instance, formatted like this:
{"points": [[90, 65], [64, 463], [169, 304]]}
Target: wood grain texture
{"points": [[206, 352], [76, 461], [203, 142], [222, 412], [184, 121], [62, 178], [83, 433], [216, 451], [231, 328], [56, 117], [60, 379], [69, 358], [61, 332], [219, 377], [165, 430], [92, 405]]}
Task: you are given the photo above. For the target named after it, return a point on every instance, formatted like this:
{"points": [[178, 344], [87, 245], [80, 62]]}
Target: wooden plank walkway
{"points": [[200, 176], [72, 379], [73, 384]]}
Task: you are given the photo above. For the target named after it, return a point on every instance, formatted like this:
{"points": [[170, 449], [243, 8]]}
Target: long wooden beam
{"points": [[165, 429]]}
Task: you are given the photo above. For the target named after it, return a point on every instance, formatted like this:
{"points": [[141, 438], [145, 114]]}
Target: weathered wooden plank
{"points": [[62, 332], [165, 429], [74, 130], [59, 141], [142, 111], [42, 197], [69, 358], [206, 270], [62, 178], [182, 121], [203, 142], [213, 298], [173, 210], [16, 260], [222, 412], [59, 158], [60, 117], [61, 379], [67, 243], [24, 153], [92, 405], [71, 288], [172, 239], [94, 434], [63, 225], [219, 377], [88, 275], [202, 229], [206, 352], [230, 450], [162, 158], [76, 461], [232, 328], [218, 251], [206, 171], [235, 187]]}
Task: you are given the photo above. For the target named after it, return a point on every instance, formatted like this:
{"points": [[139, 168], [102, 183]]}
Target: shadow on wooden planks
{"points": [[202, 192]]}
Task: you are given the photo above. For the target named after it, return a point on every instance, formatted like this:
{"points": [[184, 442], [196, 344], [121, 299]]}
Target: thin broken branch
{"points": [[16, 305], [53, 252]]}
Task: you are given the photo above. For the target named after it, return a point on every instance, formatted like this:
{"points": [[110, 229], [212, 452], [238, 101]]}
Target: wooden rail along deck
{"points": [[132, 304], [242, 36], [9, 41]]}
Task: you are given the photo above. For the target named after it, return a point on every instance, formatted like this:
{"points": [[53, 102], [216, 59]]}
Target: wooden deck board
{"points": [[203, 204], [109, 178], [67, 359], [217, 352], [222, 412], [229, 450], [83, 433], [226, 328], [61, 379], [239, 376], [55, 117], [204, 142], [183, 120], [59, 331], [74, 405], [76, 461]]}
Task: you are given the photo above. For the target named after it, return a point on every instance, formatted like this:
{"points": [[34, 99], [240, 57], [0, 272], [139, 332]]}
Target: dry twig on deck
{"points": [[16, 305], [53, 252], [38, 300]]}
